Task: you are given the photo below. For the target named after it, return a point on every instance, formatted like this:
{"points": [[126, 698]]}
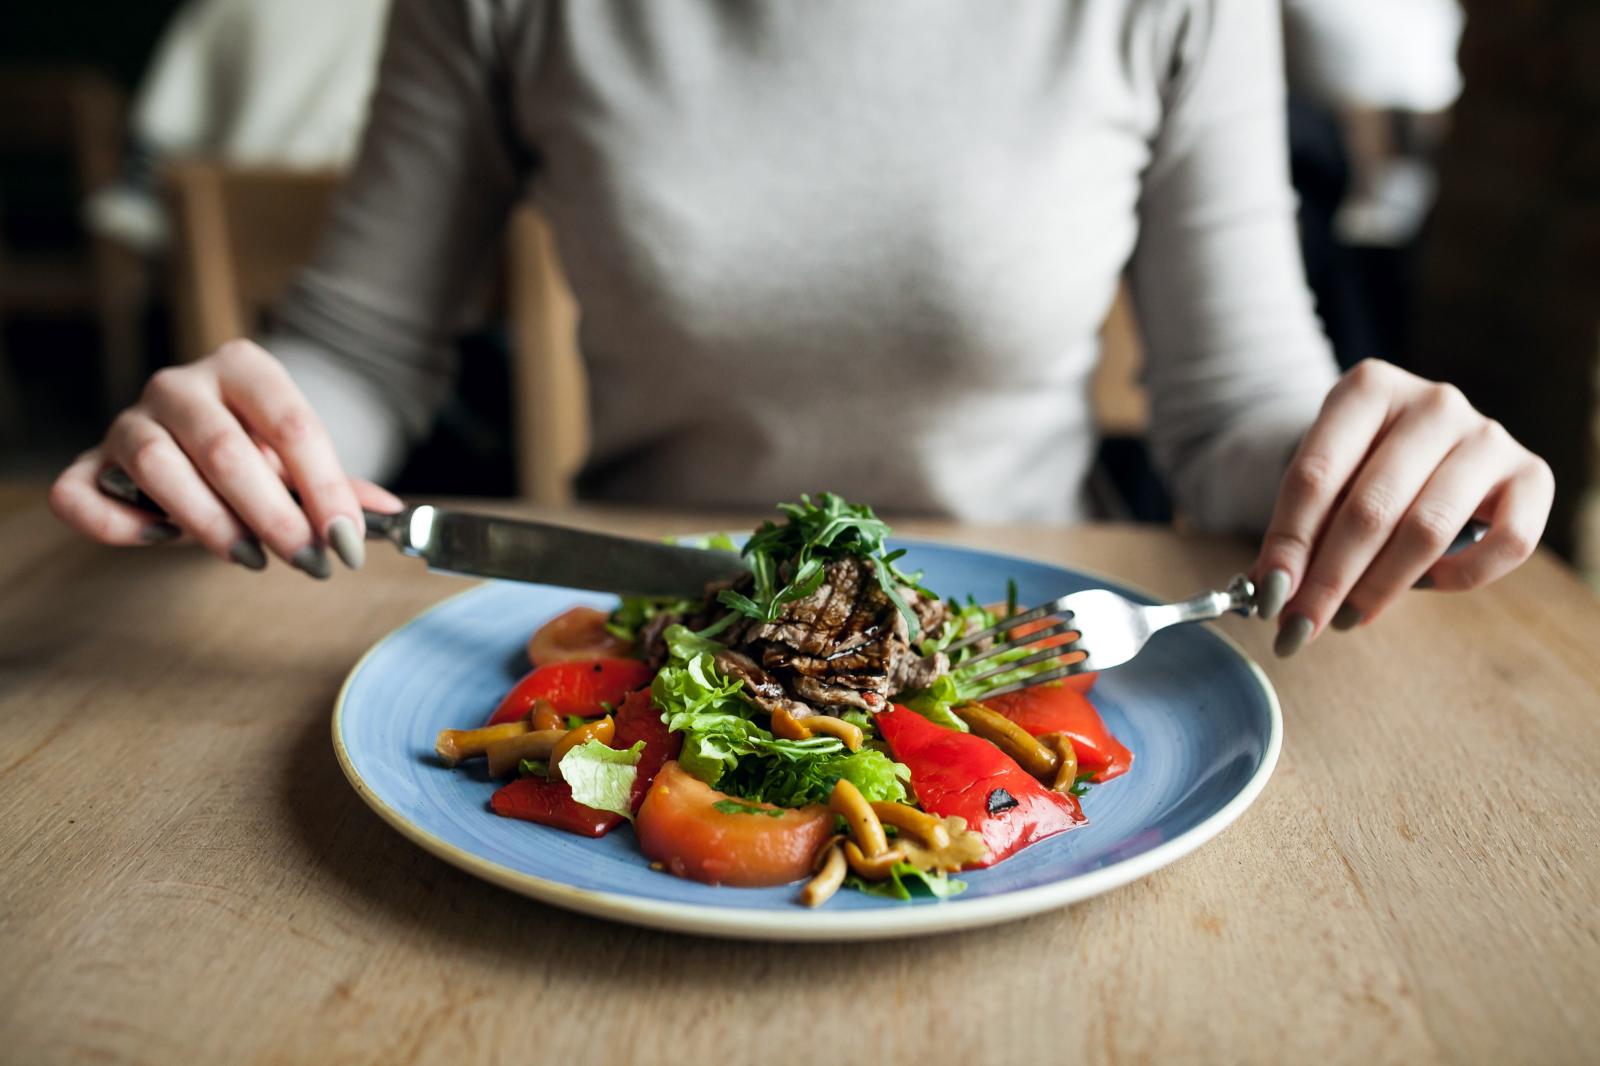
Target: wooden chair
{"points": [[244, 233], [241, 236], [1120, 406], [77, 113]]}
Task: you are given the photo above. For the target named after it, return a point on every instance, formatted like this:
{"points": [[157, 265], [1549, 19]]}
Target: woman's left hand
{"points": [[1389, 473]]}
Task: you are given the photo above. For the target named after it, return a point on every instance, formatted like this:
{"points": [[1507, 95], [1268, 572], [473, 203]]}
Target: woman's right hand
{"points": [[217, 443]]}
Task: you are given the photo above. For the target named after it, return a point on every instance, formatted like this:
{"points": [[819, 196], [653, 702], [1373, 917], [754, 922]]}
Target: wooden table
{"points": [[185, 876]]}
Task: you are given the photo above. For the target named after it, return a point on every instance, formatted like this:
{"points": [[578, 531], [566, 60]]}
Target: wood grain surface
{"points": [[185, 876]]}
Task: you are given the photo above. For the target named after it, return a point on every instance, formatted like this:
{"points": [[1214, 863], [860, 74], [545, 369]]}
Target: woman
{"points": [[862, 247]]}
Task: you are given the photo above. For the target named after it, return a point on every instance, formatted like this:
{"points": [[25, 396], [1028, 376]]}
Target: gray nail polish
{"points": [[1273, 593], [314, 561], [159, 533], [1346, 617], [248, 554], [1292, 636], [347, 543]]}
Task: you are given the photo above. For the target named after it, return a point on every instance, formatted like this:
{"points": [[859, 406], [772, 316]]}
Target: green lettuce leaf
{"points": [[602, 777], [935, 701], [634, 612], [795, 782], [906, 882], [727, 748]]}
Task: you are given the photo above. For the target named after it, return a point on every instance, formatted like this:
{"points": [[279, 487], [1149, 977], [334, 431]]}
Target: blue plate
{"points": [[1200, 717]]}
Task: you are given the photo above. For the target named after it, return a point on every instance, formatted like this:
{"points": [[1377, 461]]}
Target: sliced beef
{"points": [[911, 671], [764, 690], [845, 646]]}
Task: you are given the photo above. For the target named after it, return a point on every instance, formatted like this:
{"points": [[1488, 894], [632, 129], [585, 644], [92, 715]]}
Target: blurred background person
{"points": [[254, 82], [1370, 83]]}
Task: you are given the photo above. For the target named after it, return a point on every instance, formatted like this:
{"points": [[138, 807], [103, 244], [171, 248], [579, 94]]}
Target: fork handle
{"points": [[1239, 596]]}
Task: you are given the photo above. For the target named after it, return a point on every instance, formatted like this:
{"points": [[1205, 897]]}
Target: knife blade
{"points": [[479, 545]]}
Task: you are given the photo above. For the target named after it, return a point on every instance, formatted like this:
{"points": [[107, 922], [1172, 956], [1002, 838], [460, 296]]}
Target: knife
{"points": [[477, 545]]}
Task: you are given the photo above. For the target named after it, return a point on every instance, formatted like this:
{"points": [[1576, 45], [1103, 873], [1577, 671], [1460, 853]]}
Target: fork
{"points": [[1120, 627]]}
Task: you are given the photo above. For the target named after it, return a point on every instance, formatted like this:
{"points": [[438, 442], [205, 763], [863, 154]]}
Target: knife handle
{"points": [[115, 483]]}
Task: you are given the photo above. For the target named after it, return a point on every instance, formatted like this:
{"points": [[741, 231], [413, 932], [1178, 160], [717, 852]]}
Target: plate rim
{"points": [[822, 925]]}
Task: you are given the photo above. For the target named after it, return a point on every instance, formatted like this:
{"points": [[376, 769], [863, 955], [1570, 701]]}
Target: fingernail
{"points": [[1296, 630], [1273, 593], [314, 561], [1346, 617], [159, 533], [347, 543], [248, 554]]}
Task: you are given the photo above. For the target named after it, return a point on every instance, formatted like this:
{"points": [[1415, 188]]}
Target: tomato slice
{"points": [[575, 688], [1060, 709], [680, 827], [575, 635]]}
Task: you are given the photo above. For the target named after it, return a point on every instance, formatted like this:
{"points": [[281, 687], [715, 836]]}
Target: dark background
{"points": [[1501, 294]]}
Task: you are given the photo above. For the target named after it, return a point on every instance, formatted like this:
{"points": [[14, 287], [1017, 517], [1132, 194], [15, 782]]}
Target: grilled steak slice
{"points": [[913, 671], [845, 646], [765, 691], [832, 699], [819, 623]]}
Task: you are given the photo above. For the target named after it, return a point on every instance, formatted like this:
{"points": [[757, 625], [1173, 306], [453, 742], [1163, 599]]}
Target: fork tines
{"points": [[1033, 614], [1032, 639]]}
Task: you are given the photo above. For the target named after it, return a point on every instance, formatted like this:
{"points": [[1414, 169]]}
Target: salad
{"points": [[806, 722]]}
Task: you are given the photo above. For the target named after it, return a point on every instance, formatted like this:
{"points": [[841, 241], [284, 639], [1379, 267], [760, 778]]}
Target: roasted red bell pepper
{"points": [[1060, 709], [536, 799], [575, 688], [960, 774], [640, 719]]}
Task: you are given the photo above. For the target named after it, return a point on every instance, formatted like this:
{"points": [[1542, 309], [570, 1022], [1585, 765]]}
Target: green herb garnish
{"points": [[789, 561]]}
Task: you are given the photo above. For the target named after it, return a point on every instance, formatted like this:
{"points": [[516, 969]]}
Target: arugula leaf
{"points": [[739, 807], [906, 882], [789, 561], [602, 777]]}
